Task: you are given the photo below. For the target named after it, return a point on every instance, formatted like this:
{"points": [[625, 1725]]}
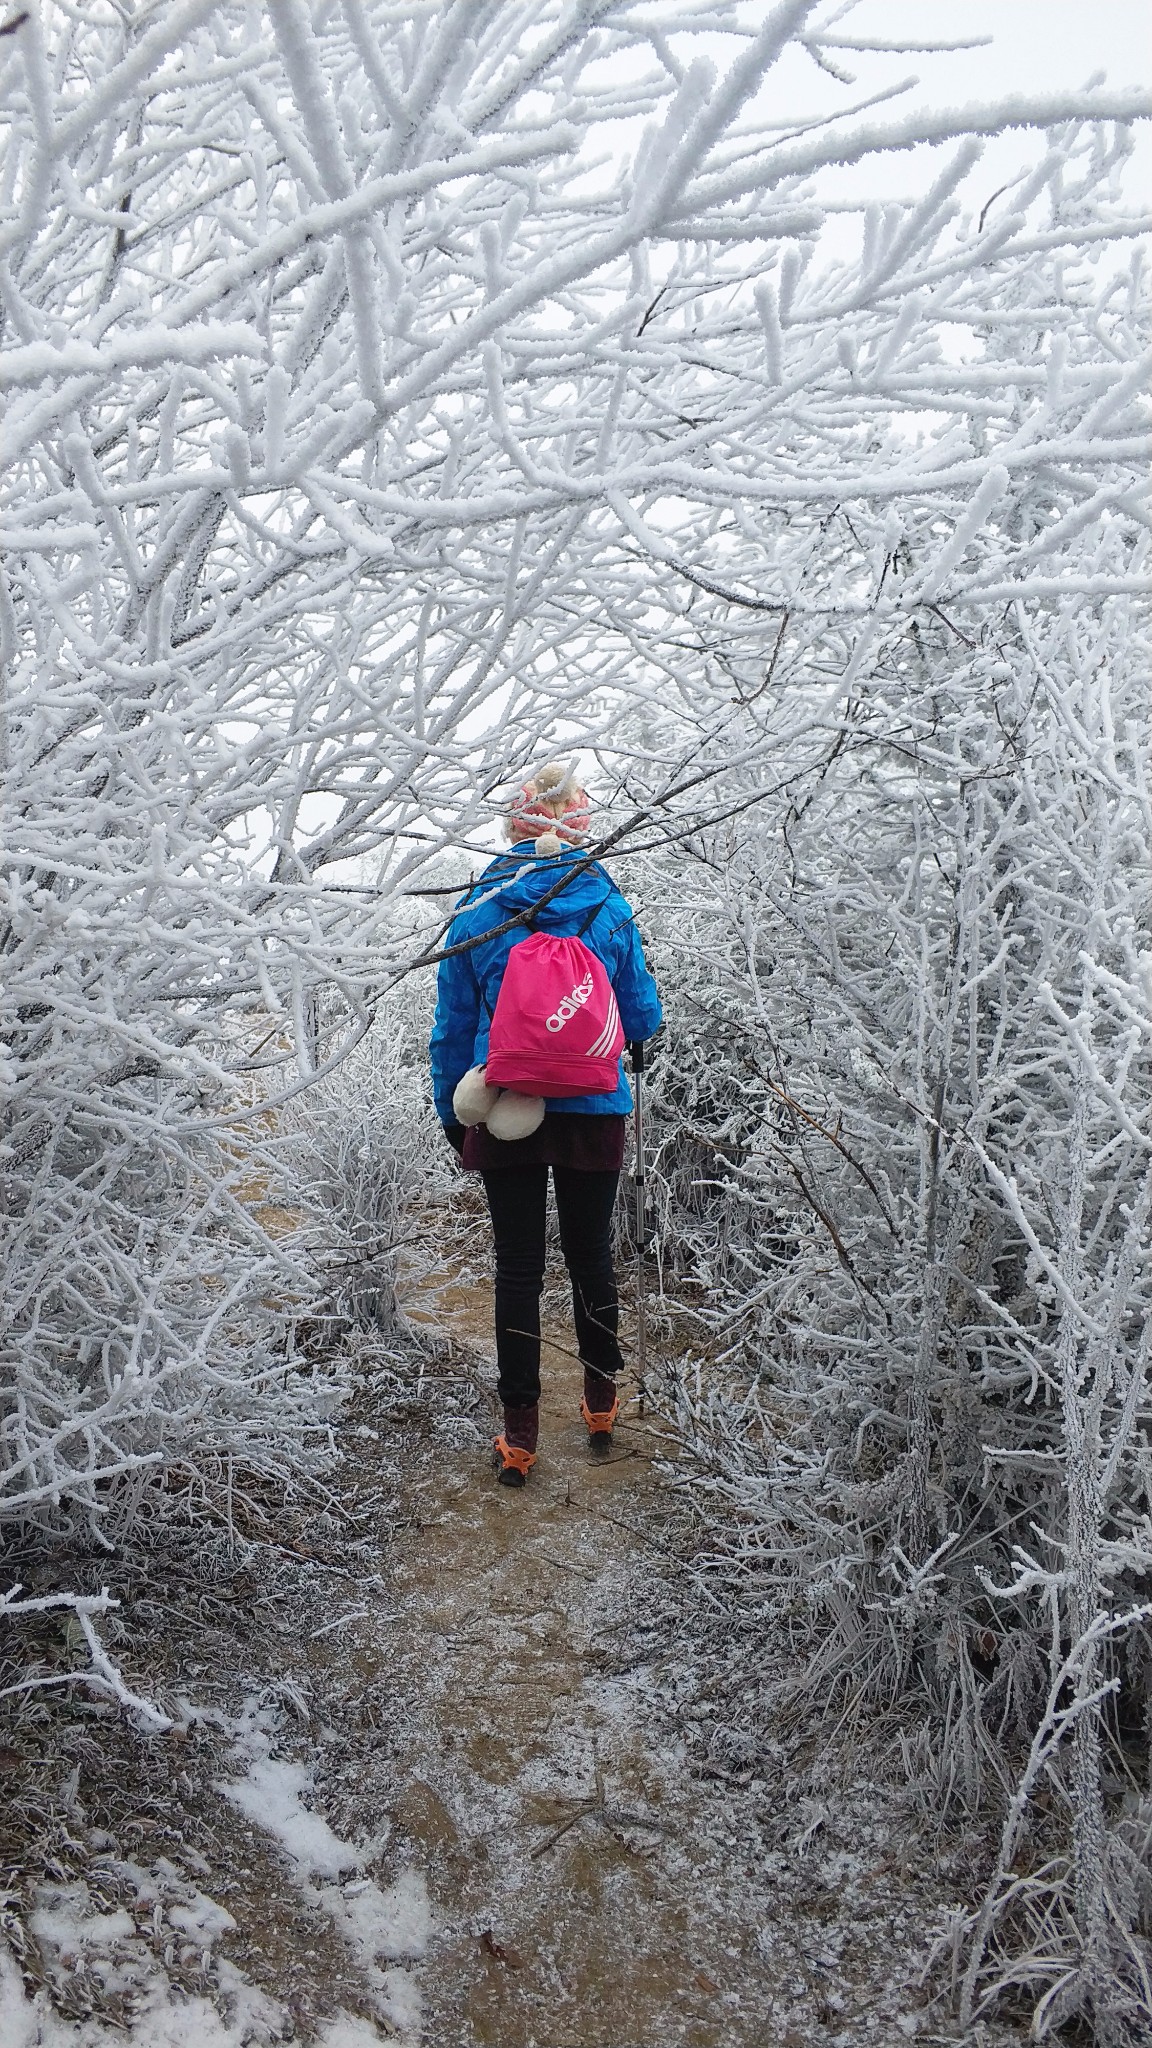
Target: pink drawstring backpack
{"points": [[556, 1029]]}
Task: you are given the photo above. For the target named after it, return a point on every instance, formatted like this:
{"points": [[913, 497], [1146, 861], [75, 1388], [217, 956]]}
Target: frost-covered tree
{"points": [[904, 1130], [340, 375]]}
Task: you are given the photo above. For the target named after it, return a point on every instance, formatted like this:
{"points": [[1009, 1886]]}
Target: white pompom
{"points": [[549, 777], [516, 1116], [549, 842], [473, 1100]]}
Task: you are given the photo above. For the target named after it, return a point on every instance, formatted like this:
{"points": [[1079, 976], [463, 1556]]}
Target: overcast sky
{"points": [[1038, 46]]}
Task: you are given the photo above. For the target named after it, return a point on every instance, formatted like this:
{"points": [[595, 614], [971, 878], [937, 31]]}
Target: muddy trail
{"points": [[613, 1860], [580, 1901]]}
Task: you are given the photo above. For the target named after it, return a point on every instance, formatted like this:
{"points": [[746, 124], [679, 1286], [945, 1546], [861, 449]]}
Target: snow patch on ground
{"points": [[89, 1954], [271, 1794], [161, 2019], [383, 1928], [345, 2031], [164, 2021]]}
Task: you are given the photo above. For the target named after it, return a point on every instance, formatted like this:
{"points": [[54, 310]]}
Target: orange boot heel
{"points": [[513, 1463], [599, 1424]]}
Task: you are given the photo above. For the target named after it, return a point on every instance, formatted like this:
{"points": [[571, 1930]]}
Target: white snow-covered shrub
{"points": [[359, 1164]]}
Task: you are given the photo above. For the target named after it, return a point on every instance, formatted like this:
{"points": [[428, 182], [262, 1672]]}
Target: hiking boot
{"points": [[599, 1419], [512, 1464], [516, 1449]]}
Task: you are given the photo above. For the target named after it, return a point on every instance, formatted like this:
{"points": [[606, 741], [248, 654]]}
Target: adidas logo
{"points": [[570, 1004]]}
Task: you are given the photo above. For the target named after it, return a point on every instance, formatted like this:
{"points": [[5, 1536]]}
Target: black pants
{"points": [[518, 1201]]}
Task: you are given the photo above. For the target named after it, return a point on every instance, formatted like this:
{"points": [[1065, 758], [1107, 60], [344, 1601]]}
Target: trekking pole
{"points": [[640, 1221]]}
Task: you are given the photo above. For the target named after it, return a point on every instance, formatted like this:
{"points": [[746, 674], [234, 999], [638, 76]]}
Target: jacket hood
{"points": [[530, 876]]}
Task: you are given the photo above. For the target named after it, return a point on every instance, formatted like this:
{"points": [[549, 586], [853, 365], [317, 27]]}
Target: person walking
{"points": [[579, 1137]]}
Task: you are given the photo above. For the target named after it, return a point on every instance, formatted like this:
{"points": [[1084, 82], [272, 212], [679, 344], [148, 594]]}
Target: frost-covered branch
{"points": [[103, 1676]]}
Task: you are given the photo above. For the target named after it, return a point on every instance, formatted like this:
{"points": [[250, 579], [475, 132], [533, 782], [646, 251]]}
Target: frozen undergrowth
{"points": [[336, 1774], [131, 1859], [249, 2019]]}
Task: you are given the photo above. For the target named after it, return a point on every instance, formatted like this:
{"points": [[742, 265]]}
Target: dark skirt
{"points": [[589, 1144]]}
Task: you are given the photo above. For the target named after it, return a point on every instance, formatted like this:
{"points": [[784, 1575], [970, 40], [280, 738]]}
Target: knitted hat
{"points": [[551, 809]]}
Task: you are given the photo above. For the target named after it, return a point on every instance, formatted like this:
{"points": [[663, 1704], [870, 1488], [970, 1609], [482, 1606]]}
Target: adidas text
{"points": [[570, 1004]]}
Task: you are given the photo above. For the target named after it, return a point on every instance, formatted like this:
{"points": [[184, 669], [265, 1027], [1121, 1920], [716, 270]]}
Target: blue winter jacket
{"points": [[469, 983]]}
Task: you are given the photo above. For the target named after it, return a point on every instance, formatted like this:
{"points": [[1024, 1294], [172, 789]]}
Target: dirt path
{"points": [[579, 1896], [462, 1766]]}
